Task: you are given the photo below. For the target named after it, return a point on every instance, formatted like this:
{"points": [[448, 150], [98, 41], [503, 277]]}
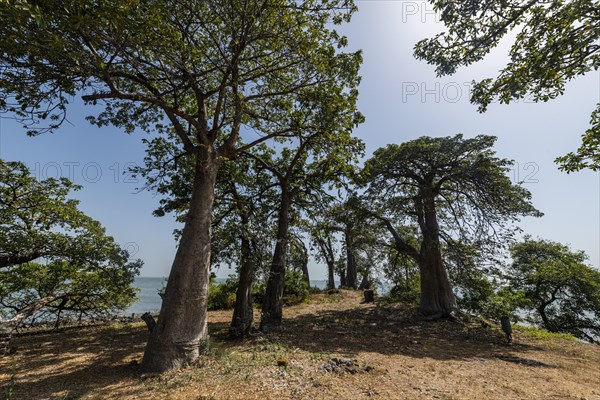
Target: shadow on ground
{"points": [[396, 330], [72, 364], [101, 361]]}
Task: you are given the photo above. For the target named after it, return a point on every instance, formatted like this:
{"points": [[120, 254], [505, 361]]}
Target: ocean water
{"points": [[148, 298]]}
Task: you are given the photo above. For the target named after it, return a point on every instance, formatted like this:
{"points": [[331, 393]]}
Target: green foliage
{"points": [[473, 290], [55, 260], [164, 66], [563, 292], [38, 220], [402, 273], [68, 288], [556, 41], [468, 180], [504, 303], [404, 293], [542, 334], [295, 289], [472, 192], [451, 194], [587, 156], [221, 296]]}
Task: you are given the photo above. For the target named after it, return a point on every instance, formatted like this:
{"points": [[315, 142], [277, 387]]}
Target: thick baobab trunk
{"points": [[241, 322], [437, 298], [181, 333], [351, 273], [272, 307]]}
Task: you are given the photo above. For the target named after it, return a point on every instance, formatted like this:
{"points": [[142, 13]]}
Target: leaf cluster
{"points": [[54, 259], [474, 197], [563, 291], [556, 41]]}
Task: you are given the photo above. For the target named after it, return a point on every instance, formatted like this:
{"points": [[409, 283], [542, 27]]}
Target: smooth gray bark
{"points": [[272, 308], [241, 322], [181, 332], [351, 272], [437, 298]]}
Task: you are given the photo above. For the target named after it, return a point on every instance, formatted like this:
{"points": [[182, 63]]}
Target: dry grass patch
{"points": [[390, 354]]}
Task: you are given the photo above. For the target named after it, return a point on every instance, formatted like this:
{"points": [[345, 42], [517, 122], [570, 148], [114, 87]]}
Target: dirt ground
{"points": [[333, 347]]}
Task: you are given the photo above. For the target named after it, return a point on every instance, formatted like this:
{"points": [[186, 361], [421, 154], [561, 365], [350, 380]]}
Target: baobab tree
{"points": [[454, 190]]}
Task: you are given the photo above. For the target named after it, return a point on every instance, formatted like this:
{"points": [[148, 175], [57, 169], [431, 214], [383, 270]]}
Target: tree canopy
{"points": [[455, 192], [38, 220], [56, 261], [563, 292], [556, 42]]}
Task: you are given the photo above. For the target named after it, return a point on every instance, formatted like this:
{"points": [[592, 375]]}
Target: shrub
{"points": [[222, 295], [295, 290], [542, 334], [403, 294]]}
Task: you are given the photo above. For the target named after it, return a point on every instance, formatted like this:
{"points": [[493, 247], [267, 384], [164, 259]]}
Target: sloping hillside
{"points": [[333, 348]]}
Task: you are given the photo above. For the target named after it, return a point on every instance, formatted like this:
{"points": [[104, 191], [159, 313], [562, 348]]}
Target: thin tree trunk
{"points": [[406, 275], [305, 274], [366, 274], [8, 326], [327, 251], [330, 265], [181, 333], [272, 308], [351, 273], [437, 298], [241, 322], [342, 273], [365, 283], [330, 275]]}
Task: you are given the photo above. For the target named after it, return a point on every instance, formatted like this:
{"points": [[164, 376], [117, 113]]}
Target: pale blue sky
{"points": [[401, 98]]}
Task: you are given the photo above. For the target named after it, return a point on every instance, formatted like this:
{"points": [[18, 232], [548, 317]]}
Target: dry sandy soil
{"points": [[391, 354]]}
